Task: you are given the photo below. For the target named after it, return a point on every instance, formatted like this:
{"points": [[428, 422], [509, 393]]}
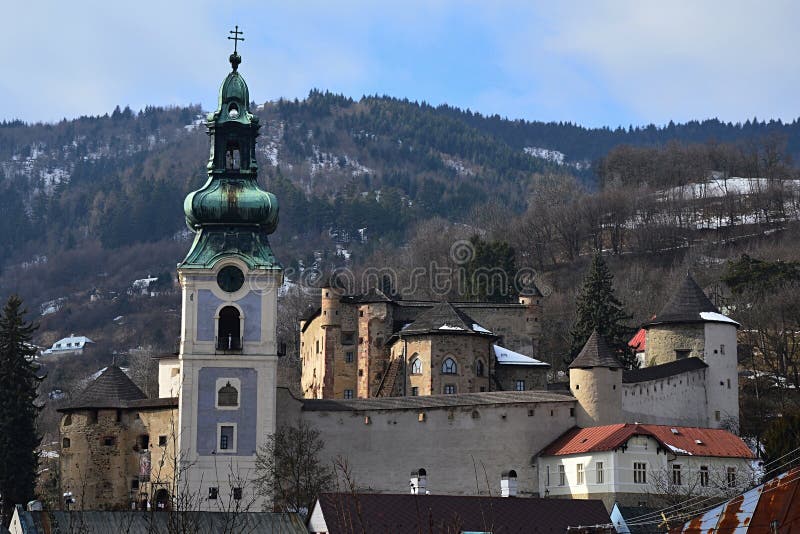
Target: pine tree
{"points": [[599, 309], [18, 381]]}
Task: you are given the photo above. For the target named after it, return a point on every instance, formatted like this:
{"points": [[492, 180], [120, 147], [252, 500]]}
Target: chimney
{"points": [[419, 482], [508, 484]]}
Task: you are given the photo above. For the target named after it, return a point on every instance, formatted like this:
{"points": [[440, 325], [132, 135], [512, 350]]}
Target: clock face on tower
{"points": [[230, 279]]}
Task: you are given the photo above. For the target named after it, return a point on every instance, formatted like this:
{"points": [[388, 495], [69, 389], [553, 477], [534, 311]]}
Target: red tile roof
{"points": [[691, 441], [637, 342]]}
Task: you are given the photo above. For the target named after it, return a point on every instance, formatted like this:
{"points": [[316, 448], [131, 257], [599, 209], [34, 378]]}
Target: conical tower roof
{"points": [[444, 318], [595, 353], [689, 304], [112, 389]]}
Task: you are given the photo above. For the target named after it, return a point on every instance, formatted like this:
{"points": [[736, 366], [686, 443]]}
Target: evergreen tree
{"points": [[599, 309], [18, 381]]}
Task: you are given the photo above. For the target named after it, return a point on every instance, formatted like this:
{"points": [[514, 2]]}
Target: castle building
{"points": [[376, 345]]}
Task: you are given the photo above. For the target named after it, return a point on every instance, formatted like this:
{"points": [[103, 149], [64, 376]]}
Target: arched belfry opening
{"points": [[233, 156], [229, 333]]}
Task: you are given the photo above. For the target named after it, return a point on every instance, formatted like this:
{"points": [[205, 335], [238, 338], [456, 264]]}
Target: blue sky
{"points": [[595, 63]]}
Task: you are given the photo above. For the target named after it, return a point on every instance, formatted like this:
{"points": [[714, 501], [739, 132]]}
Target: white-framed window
{"points": [[639, 473], [676, 475], [600, 475], [226, 437], [449, 366], [449, 389], [562, 475], [348, 394], [703, 476], [730, 477], [519, 385], [416, 365], [227, 393], [579, 473]]}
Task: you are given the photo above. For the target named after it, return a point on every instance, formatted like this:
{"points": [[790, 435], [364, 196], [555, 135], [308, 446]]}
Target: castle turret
{"points": [[690, 326], [595, 379], [532, 298]]}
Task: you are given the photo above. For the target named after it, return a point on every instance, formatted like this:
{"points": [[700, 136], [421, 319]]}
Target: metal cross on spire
{"points": [[236, 33]]}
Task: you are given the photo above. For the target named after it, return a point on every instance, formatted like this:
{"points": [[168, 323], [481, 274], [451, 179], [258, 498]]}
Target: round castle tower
{"points": [[532, 298], [595, 380]]}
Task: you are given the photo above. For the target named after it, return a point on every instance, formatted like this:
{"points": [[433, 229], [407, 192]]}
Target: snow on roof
{"points": [[450, 327], [72, 342], [509, 357], [479, 328], [717, 318]]}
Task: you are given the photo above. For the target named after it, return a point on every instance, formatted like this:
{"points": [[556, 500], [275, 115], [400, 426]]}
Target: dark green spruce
{"points": [[599, 309], [18, 381]]}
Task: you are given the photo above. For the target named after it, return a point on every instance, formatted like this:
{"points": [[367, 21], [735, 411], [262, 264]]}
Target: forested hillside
{"points": [[89, 205]]}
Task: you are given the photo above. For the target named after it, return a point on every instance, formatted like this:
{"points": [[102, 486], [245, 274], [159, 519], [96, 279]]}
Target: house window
{"points": [[639, 473], [67, 420], [144, 442], [134, 483], [731, 477], [228, 396], [562, 476], [579, 473], [449, 366], [416, 366], [449, 389], [479, 368], [680, 354], [109, 441], [547, 477], [717, 415], [213, 493], [722, 349], [229, 336], [162, 441], [704, 476], [349, 356], [676, 474], [600, 473], [519, 385], [65, 443], [237, 494], [348, 394], [415, 391], [348, 338], [227, 438]]}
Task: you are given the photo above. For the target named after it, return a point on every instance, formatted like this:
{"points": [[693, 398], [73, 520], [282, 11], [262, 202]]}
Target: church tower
{"points": [[229, 281]]}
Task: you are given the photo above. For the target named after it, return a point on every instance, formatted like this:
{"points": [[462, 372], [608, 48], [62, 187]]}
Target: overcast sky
{"points": [[595, 63]]}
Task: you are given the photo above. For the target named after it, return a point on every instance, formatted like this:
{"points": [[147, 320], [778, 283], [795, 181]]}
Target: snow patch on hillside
{"points": [[553, 156]]}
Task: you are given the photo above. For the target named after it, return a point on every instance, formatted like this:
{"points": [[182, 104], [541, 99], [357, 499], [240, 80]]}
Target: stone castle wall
{"points": [[676, 400], [663, 340]]}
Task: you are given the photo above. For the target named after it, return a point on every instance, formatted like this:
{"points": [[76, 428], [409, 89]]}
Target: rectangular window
{"points": [[562, 476], [212, 493], [318, 346], [109, 441], [414, 391], [227, 438], [704, 476], [600, 473], [681, 354], [349, 356], [547, 477], [731, 477], [579, 473], [449, 389], [237, 494], [134, 483], [676, 475], [162, 441], [639, 473], [348, 394], [519, 385], [717, 415]]}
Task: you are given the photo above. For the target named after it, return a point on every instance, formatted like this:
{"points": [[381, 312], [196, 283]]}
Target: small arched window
{"points": [[227, 396], [67, 420], [449, 366], [416, 365], [229, 330], [479, 370]]}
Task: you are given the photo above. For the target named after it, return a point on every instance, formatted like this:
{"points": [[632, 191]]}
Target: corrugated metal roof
{"points": [[681, 440], [773, 507]]}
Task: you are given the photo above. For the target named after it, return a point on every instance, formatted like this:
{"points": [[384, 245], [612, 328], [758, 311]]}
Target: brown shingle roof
{"points": [[404, 513], [112, 389], [595, 353], [686, 305], [443, 318]]}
